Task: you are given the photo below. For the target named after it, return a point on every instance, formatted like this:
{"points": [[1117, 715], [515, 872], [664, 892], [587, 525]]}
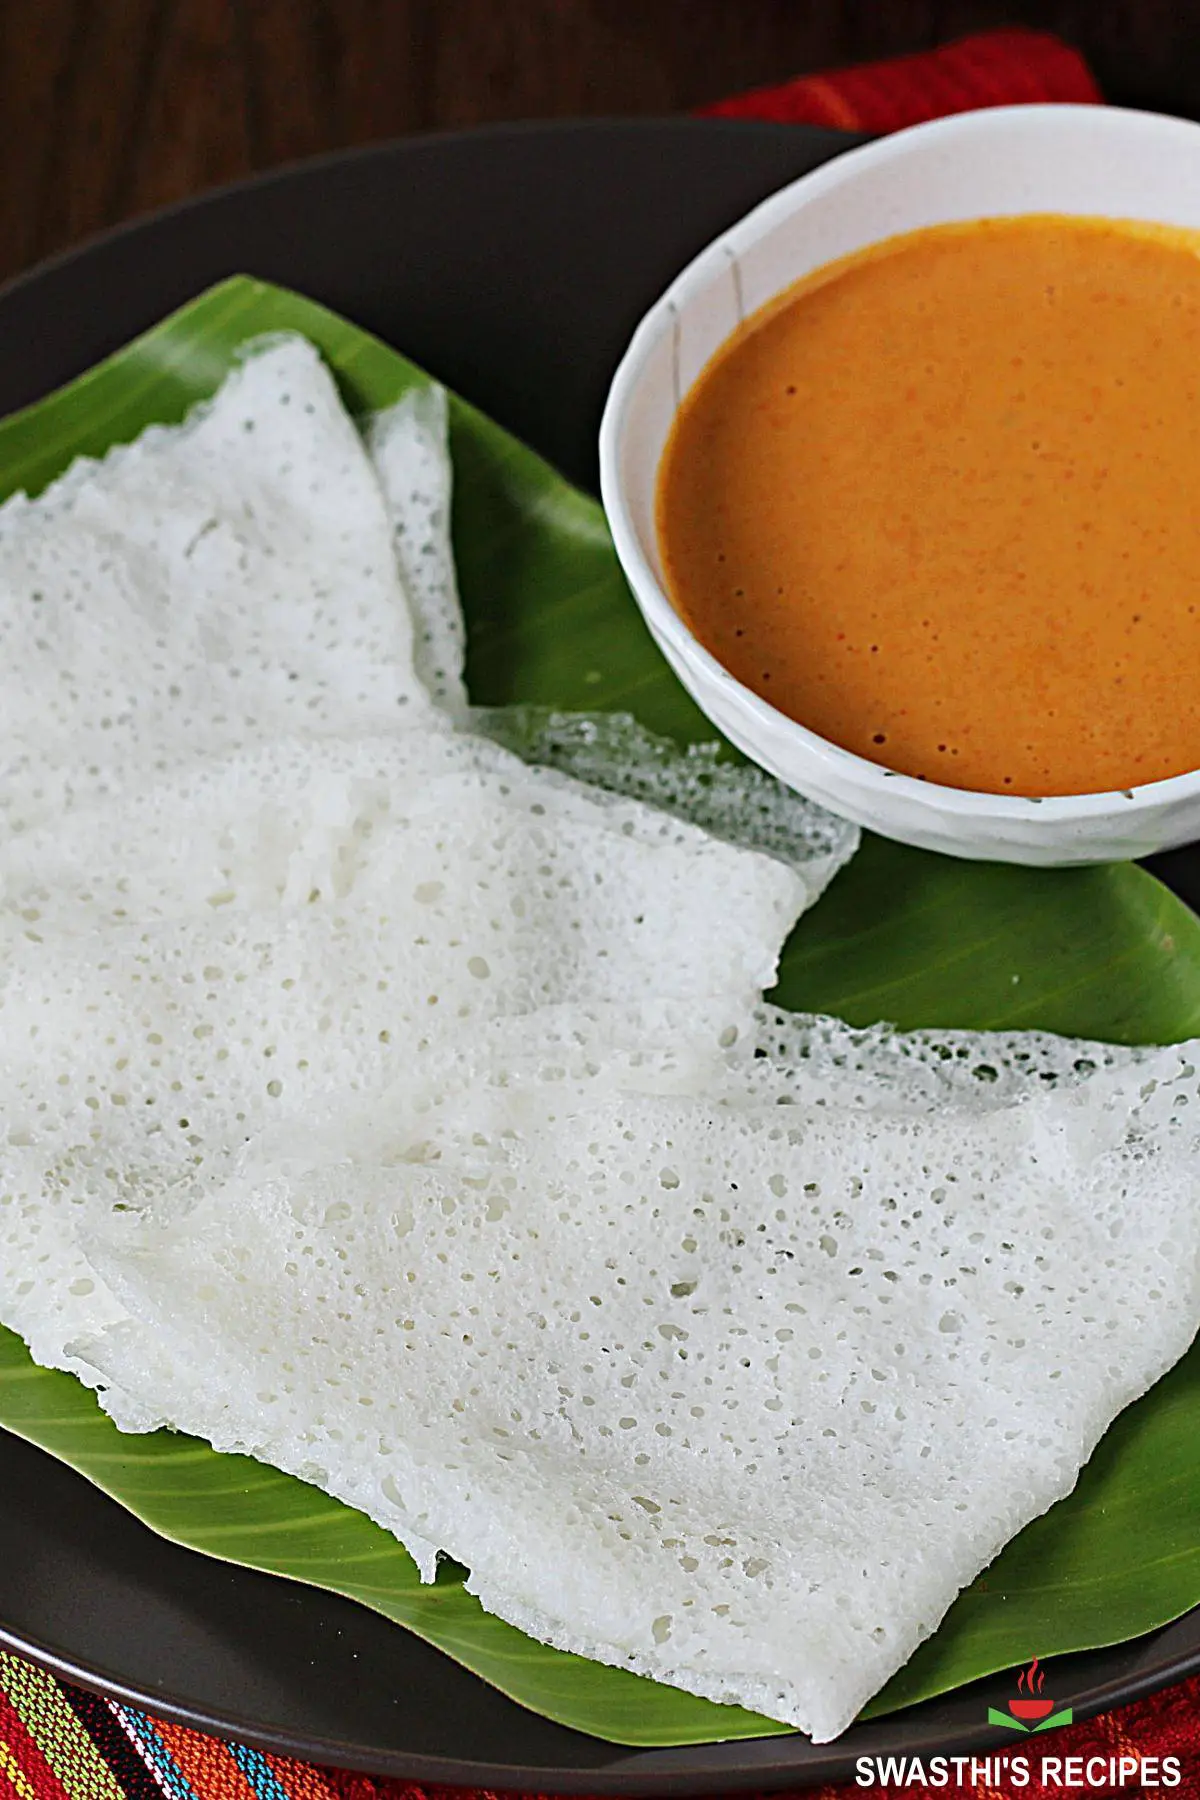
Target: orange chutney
{"points": [[940, 502]]}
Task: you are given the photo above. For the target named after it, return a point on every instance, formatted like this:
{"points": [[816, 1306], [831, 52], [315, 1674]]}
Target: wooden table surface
{"points": [[111, 107]]}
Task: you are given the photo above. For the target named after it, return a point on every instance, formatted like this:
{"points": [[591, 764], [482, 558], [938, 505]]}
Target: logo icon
{"points": [[1027, 1711]]}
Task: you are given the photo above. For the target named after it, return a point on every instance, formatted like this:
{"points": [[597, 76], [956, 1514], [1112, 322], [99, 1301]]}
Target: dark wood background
{"points": [[110, 107]]}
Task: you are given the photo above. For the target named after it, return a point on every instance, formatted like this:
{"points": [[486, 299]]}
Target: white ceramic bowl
{"points": [[1013, 159]]}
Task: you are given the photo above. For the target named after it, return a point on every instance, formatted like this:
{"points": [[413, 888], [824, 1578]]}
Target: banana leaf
{"points": [[902, 935]]}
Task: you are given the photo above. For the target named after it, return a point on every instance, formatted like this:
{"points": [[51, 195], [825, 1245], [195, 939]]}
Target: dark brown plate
{"points": [[512, 263]]}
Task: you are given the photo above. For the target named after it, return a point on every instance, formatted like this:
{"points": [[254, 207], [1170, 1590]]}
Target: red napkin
{"points": [[994, 68], [58, 1743]]}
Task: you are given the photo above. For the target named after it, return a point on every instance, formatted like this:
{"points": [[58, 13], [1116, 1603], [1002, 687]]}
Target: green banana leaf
{"points": [[902, 935]]}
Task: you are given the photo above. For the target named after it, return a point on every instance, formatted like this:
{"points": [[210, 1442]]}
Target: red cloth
{"points": [[991, 69], [994, 68]]}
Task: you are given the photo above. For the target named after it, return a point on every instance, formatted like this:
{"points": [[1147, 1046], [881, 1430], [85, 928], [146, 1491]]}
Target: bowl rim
{"points": [[846, 767]]}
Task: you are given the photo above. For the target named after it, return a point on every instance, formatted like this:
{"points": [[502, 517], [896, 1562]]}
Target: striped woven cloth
{"points": [[58, 1742], [61, 1743]]}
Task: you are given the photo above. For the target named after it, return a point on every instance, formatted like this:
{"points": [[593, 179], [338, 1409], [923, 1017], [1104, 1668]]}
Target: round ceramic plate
{"points": [[513, 264]]}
